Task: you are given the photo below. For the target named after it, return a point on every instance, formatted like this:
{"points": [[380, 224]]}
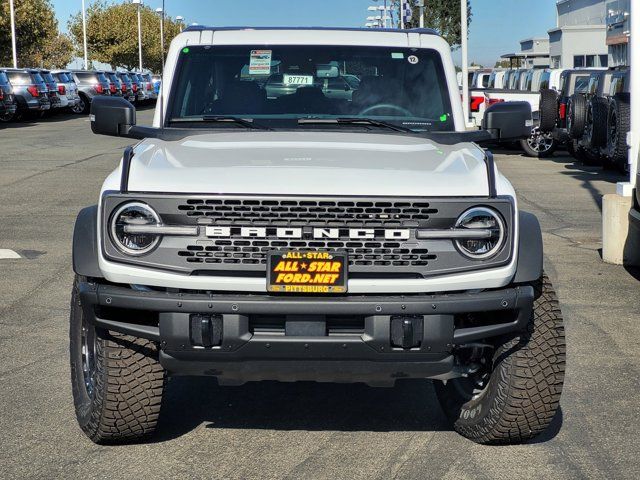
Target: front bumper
{"points": [[247, 352]]}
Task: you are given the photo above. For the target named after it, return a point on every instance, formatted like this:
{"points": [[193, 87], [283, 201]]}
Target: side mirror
{"points": [[508, 120], [112, 116]]}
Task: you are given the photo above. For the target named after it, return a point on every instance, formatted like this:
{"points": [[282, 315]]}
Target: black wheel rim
{"points": [[613, 131], [474, 383], [88, 357], [540, 142]]}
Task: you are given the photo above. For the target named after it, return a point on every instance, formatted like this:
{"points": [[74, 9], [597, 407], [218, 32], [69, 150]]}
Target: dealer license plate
{"points": [[307, 271]]}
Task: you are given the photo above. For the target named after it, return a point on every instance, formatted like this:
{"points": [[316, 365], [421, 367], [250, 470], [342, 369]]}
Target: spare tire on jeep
{"points": [[548, 109], [576, 116], [618, 125], [515, 392], [597, 128]]}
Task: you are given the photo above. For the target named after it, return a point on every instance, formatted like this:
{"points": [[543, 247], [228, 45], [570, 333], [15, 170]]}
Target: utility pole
{"points": [[465, 61], [84, 37], [13, 34], [401, 14]]}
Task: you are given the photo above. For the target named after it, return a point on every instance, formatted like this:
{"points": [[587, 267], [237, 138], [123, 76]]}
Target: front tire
{"points": [[116, 379], [521, 391], [539, 144]]}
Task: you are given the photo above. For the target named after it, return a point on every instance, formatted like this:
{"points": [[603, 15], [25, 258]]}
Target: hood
{"points": [[308, 163]]}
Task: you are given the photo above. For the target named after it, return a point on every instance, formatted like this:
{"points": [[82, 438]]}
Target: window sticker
{"points": [[397, 55], [412, 59], [260, 62]]}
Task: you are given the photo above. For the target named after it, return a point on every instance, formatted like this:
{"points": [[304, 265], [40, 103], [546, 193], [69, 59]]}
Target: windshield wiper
{"points": [[358, 120], [222, 119]]}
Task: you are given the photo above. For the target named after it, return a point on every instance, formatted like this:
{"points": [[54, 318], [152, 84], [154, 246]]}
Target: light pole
{"points": [[160, 11], [84, 37], [383, 9], [13, 34], [139, 4], [465, 61]]}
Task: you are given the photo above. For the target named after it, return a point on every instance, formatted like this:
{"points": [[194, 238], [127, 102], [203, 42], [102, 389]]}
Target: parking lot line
{"points": [[6, 253]]}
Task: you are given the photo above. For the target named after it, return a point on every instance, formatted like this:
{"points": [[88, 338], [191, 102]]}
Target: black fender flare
{"points": [[530, 250], [85, 243]]}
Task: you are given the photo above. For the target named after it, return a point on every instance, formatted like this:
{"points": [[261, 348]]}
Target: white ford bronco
{"points": [[307, 206]]}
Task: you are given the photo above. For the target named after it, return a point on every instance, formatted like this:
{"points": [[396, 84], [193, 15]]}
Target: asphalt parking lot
{"points": [[49, 170]]}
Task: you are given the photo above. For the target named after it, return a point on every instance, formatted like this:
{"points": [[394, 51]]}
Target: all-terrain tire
{"points": [[548, 109], [618, 125], [599, 113], [523, 392], [576, 116], [119, 399]]}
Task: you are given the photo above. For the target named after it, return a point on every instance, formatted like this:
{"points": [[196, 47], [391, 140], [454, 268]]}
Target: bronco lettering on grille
{"points": [[311, 233]]}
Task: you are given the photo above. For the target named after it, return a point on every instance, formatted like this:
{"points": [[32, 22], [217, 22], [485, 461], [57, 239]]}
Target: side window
{"points": [[485, 81], [544, 80]]}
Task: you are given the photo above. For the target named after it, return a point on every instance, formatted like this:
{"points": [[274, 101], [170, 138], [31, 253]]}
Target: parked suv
{"points": [[8, 105], [143, 93], [306, 237], [116, 87], [149, 87], [67, 89], [30, 90], [54, 95], [588, 118], [130, 94], [91, 84]]}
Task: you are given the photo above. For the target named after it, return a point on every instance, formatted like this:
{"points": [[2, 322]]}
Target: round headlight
{"points": [[491, 232], [123, 228]]}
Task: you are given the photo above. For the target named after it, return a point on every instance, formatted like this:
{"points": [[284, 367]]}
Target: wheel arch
{"points": [[530, 249], [85, 243]]}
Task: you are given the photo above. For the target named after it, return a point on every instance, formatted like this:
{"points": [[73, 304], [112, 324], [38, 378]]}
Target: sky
{"points": [[496, 28]]}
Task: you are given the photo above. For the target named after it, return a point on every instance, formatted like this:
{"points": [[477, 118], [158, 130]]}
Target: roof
{"points": [[424, 31], [525, 55]]}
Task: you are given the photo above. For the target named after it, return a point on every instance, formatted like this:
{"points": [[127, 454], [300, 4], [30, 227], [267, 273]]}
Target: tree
{"points": [[112, 35], [38, 41], [504, 63], [441, 15]]}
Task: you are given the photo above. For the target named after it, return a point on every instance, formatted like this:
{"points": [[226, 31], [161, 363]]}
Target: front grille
{"points": [[314, 213], [377, 256], [254, 252]]}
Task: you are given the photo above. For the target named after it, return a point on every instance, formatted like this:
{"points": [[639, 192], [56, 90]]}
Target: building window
{"points": [[590, 61], [555, 62]]}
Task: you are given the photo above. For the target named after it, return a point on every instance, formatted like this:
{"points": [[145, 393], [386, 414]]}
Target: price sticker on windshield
{"points": [[260, 62], [297, 79]]}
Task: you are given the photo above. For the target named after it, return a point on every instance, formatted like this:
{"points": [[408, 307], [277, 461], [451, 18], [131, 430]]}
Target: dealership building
{"points": [[588, 33]]}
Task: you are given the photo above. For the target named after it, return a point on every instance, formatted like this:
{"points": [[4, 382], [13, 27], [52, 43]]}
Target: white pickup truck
{"points": [[519, 85], [304, 236]]}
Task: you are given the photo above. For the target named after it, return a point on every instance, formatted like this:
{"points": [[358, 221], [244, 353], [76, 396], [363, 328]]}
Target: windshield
{"points": [[403, 86]]}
